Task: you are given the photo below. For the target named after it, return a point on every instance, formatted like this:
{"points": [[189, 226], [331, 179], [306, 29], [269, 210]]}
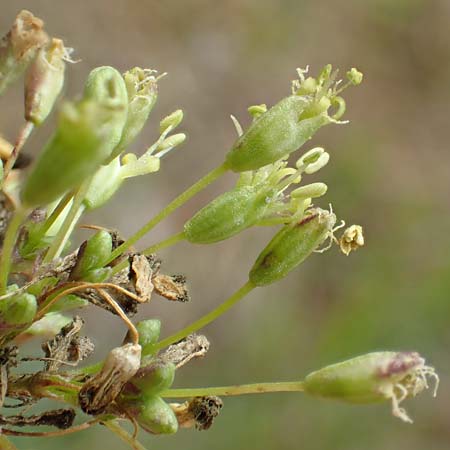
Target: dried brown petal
{"points": [[199, 412], [172, 287], [193, 346]]}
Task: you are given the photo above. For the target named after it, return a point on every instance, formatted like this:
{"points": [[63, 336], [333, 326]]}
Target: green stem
{"points": [[124, 435], [208, 318], [5, 444], [60, 207], [8, 247], [75, 212], [170, 208], [164, 244], [242, 389]]}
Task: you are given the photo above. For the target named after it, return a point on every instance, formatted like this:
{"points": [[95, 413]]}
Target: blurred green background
{"points": [[389, 171]]}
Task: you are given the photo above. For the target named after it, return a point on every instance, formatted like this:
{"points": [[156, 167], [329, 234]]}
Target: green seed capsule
{"points": [[92, 255], [275, 134], [291, 246], [156, 416], [372, 378], [155, 377], [79, 146], [44, 81], [226, 215]]}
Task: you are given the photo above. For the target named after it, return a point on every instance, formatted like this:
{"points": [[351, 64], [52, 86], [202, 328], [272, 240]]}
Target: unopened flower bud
{"points": [[79, 146], [291, 246], [18, 310], [154, 415], [92, 255], [142, 89], [16, 314], [172, 120], [372, 378], [154, 377], [351, 239], [18, 48], [44, 81], [102, 388], [149, 331]]}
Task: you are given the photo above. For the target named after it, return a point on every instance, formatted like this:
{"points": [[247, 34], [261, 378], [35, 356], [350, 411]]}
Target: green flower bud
{"points": [[152, 378], [106, 86], [18, 48], [104, 184], [225, 216], [289, 124], [142, 89], [172, 120], [44, 81], [374, 377], [291, 246], [79, 146], [18, 310], [149, 331], [92, 255], [154, 415]]}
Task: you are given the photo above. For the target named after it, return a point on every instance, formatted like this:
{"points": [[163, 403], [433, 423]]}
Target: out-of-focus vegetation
{"points": [[390, 171]]}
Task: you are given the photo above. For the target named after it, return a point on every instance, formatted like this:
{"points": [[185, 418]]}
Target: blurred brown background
{"points": [[389, 171]]}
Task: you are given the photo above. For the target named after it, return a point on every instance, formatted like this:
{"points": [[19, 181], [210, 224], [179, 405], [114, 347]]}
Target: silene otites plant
{"points": [[43, 279]]}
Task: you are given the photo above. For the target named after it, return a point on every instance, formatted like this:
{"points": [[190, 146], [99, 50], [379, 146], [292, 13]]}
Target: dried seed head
{"points": [[372, 378], [198, 412], [44, 81], [18, 48], [99, 391]]}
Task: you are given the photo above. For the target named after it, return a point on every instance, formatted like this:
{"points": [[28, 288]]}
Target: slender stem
{"points": [[239, 389], [124, 435], [208, 318], [60, 207], [5, 444], [20, 142], [75, 212], [8, 247], [170, 208], [164, 244]]}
